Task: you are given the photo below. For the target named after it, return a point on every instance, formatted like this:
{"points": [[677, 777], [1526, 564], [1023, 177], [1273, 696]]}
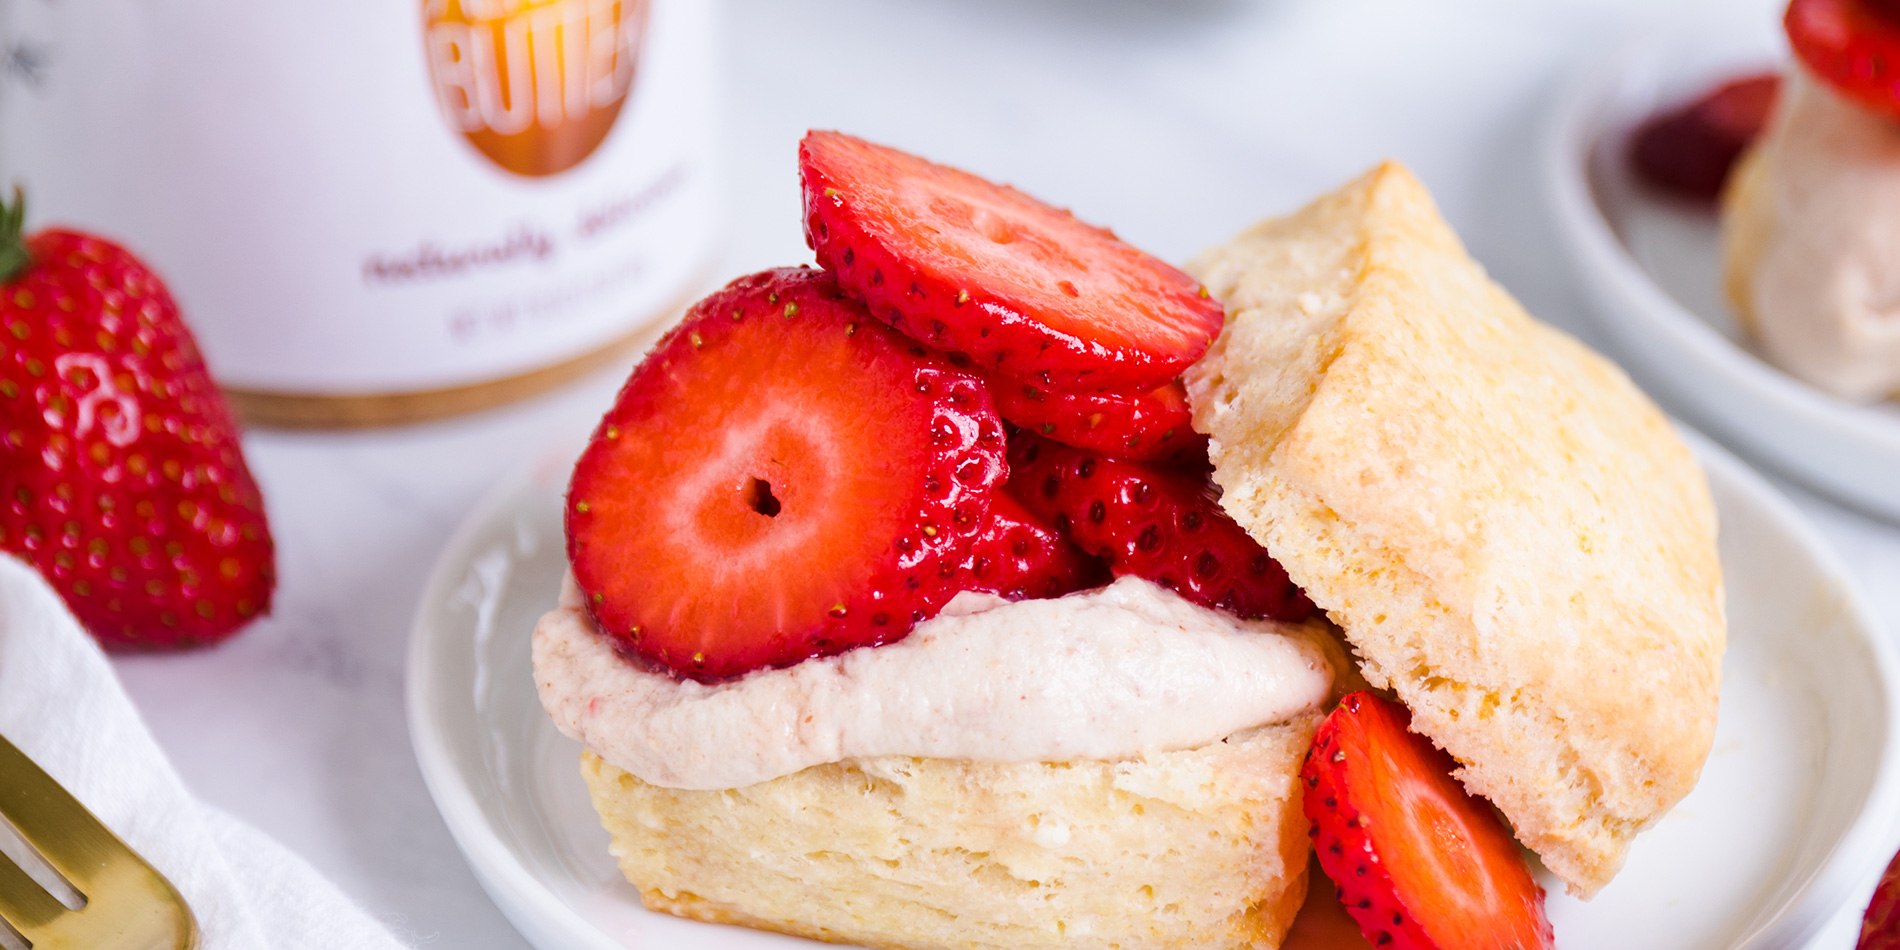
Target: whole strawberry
{"points": [[120, 473]]}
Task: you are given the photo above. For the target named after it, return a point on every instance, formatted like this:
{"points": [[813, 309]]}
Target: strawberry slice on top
{"points": [[1025, 289], [782, 478], [1420, 864]]}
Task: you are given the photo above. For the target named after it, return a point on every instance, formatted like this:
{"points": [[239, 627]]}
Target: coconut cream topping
{"points": [[1823, 227], [1106, 674]]}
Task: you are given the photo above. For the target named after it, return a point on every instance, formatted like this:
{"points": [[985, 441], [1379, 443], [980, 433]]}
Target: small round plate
{"points": [[1793, 818], [1651, 267]]}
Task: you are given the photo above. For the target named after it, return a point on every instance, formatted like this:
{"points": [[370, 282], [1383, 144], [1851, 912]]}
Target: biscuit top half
{"points": [[1513, 538]]}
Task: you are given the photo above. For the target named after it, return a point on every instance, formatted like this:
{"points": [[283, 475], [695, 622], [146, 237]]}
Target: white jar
{"points": [[360, 219]]}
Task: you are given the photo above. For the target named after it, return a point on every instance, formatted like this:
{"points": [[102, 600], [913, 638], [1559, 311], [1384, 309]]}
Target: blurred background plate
{"points": [[1794, 816], [1651, 268]]}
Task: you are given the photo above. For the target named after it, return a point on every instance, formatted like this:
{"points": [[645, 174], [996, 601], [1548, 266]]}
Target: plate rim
{"points": [[1872, 838], [534, 910], [546, 920], [1611, 279]]}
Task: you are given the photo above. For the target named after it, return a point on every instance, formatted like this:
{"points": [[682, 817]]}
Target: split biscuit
{"points": [[1513, 538]]}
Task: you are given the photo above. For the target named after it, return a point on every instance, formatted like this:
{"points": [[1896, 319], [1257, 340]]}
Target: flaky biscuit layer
{"points": [[1510, 534]]}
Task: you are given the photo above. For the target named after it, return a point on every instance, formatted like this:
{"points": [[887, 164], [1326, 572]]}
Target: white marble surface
{"points": [[1175, 121]]}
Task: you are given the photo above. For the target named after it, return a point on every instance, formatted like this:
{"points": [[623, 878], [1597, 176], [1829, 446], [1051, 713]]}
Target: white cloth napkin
{"points": [[61, 704]]}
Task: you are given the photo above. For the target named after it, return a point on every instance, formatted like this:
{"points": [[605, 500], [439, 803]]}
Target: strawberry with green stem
{"points": [[121, 475]]}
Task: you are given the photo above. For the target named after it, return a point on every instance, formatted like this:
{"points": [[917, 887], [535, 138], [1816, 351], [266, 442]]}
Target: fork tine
{"points": [[23, 902], [127, 901], [38, 807]]}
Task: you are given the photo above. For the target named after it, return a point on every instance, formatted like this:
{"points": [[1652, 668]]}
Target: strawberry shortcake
{"points": [[938, 596]]}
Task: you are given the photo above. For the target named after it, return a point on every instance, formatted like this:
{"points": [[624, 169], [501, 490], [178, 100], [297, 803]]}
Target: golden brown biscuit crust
{"points": [[1512, 536]]}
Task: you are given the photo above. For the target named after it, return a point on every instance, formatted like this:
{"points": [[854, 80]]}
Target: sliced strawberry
{"points": [[1152, 523], [1019, 556], [1852, 45], [1420, 864], [1690, 150], [1140, 427], [783, 477], [963, 264]]}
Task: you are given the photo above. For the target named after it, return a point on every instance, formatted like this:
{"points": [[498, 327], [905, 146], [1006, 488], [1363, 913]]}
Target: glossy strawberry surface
{"points": [[1148, 426], [967, 265], [1021, 556], [121, 475], [1152, 523], [783, 477]]}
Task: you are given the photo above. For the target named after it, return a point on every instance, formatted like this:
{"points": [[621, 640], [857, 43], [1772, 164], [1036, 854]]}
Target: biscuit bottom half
{"points": [[1203, 848]]}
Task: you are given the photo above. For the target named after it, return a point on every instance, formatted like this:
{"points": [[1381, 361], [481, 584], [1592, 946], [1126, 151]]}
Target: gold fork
{"points": [[109, 899]]}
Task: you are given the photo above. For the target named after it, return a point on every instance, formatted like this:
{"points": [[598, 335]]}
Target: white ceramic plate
{"points": [[1651, 268], [1794, 816]]}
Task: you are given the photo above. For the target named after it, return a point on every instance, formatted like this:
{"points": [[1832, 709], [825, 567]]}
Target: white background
{"points": [[1176, 122]]}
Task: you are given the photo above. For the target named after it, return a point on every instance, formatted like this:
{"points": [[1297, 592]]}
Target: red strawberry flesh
{"points": [[1019, 556], [1025, 289], [121, 476], [1420, 863], [1853, 46], [782, 478], [1152, 523], [1140, 427], [1690, 150]]}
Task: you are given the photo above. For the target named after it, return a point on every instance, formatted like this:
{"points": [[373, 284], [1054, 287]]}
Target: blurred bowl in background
{"points": [[1651, 268]]}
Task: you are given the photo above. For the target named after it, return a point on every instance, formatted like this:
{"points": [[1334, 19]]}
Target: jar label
{"points": [[535, 85], [388, 198]]}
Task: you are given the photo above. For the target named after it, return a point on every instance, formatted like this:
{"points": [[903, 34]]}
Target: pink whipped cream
{"points": [[1826, 291], [1108, 674]]}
